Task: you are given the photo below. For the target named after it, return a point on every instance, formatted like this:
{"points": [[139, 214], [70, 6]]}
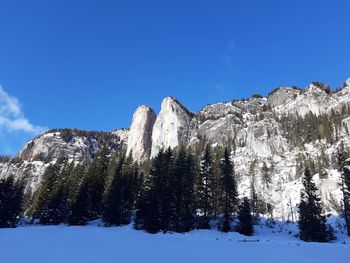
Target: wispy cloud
{"points": [[12, 117], [14, 126]]}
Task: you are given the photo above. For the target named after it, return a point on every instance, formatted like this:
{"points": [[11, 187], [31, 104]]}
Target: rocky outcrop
{"points": [[72, 144], [313, 99], [263, 139], [140, 134], [172, 127], [218, 110], [282, 95]]}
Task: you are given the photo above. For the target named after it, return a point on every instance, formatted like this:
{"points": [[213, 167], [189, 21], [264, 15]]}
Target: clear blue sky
{"points": [[89, 64]]}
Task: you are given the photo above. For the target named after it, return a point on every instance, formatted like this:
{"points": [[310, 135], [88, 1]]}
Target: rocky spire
{"points": [[140, 134], [172, 126]]}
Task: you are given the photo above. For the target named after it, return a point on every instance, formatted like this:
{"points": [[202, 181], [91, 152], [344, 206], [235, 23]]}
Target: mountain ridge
{"points": [[280, 130]]}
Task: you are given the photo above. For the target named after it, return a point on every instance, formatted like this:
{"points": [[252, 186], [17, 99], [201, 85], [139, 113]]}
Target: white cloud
{"points": [[12, 118]]}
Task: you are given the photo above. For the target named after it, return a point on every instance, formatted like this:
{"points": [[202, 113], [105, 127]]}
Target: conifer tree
{"points": [[266, 175], [129, 173], [216, 182], [229, 188], [343, 167], [311, 221], [266, 178], [245, 224], [346, 196], [74, 182], [187, 201], [79, 211], [204, 187], [167, 196], [148, 213], [11, 199], [95, 181], [112, 211], [44, 199]]}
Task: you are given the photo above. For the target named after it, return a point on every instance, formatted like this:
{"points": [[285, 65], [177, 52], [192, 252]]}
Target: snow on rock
{"points": [[347, 82], [123, 134], [140, 135], [172, 126]]}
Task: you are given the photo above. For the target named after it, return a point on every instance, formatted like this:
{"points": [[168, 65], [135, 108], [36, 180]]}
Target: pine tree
{"points": [[345, 184], [45, 200], [96, 177], [229, 188], [216, 182], [346, 196], [148, 213], [74, 182], [167, 192], [204, 189], [245, 224], [11, 199], [311, 221], [187, 202], [112, 212], [266, 177], [79, 211]]}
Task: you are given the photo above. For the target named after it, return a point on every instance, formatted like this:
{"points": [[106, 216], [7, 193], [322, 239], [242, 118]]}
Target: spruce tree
{"points": [[187, 201], [96, 177], [11, 199], [245, 224], [79, 211], [44, 199], [311, 221], [148, 213], [112, 211], [129, 173], [343, 167], [204, 188], [266, 177], [346, 196], [229, 189], [166, 194]]}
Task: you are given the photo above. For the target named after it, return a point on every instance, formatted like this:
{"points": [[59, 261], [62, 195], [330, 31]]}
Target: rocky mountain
{"points": [[281, 131], [48, 148]]}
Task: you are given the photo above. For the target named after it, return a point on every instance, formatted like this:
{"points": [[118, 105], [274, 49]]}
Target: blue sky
{"points": [[89, 64]]}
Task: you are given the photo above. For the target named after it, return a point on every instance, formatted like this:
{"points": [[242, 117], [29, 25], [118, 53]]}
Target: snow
{"points": [[58, 244]]}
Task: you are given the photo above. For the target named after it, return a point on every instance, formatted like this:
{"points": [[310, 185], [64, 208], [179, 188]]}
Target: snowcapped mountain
{"points": [[278, 131]]}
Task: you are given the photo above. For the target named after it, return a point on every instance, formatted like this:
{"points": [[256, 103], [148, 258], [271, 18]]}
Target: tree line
{"points": [[176, 192]]}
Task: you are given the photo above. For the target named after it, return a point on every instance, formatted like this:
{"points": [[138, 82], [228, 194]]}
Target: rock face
{"points": [[313, 99], [281, 96], [140, 134], [75, 145], [172, 127], [255, 129]]}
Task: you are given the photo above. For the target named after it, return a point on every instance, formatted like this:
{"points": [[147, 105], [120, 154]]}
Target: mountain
{"points": [[274, 134]]}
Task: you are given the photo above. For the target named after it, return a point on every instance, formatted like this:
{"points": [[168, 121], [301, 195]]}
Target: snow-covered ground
{"points": [[93, 244]]}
